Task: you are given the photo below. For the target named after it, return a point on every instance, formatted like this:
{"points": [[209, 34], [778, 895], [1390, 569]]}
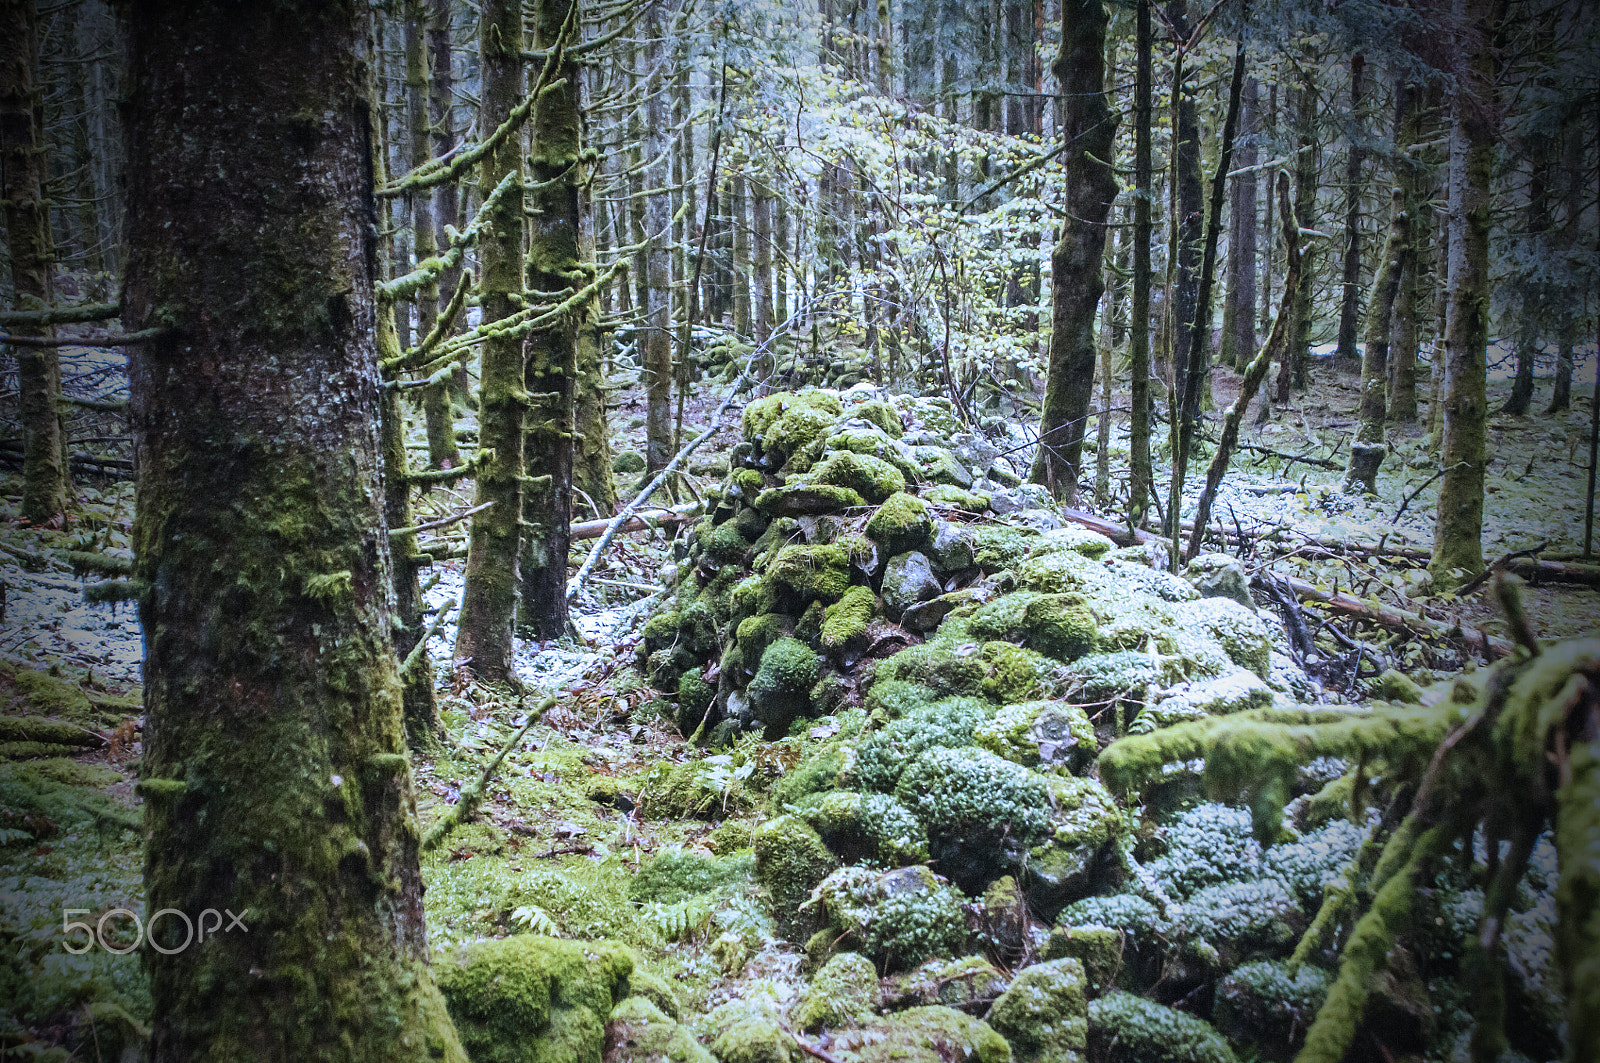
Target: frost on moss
{"points": [[933, 1034], [898, 918], [1242, 634], [969, 982], [948, 723], [1124, 1028], [1075, 859], [1001, 546], [872, 478], [751, 1031], [1043, 1015], [982, 813], [902, 523], [640, 1032], [1076, 538], [1237, 691], [528, 999], [787, 424], [1267, 1007], [1241, 920], [781, 689], [948, 495], [802, 498], [1098, 948], [1040, 734], [872, 829], [842, 993], [791, 860]]}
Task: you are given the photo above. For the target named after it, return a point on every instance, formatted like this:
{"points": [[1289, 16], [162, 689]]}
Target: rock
{"points": [[1044, 1016], [898, 918], [904, 522], [640, 1032], [971, 981], [1098, 948], [811, 573], [1242, 635], [1040, 733], [923, 1035], [982, 813], [844, 624], [1078, 538], [803, 498], [1262, 1006], [1124, 1028], [872, 478], [1039, 519], [1220, 576], [950, 548], [945, 495], [926, 616], [781, 689], [1023, 496], [843, 993], [627, 463], [941, 467], [872, 829], [1003, 476], [791, 860], [751, 1031], [1236, 691], [907, 580], [1076, 860]]}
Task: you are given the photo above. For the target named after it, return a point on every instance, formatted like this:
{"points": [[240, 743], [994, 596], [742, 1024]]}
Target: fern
{"points": [[687, 918], [530, 919], [12, 834]]}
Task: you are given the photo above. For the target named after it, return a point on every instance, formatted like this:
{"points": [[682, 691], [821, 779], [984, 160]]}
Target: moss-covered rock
{"points": [[843, 993], [628, 463], [791, 860], [873, 478], [1002, 546], [1077, 538], [941, 467], [1220, 576], [904, 522], [640, 1032], [529, 999], [873, 442], [907, 580], [933, 1034], [970, 982], [695, 696], [871, 829], [982, 813], [881, 414], [789, 426], [810, 573], [781, 689], [955, 497], [1098, 948], [1264, 1008], [1242, 634], [1063, 626], [946, 723], [751, 1031], [844, 624], [1038, 734], [1236, 691], [1237, 921], [1124, 1028], [1044, 1015], [898, 918], [804, 499], [1016, 673]]}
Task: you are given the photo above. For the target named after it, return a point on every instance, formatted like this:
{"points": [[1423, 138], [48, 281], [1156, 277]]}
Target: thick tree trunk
{"points": [[1412, 174], [274, 773], [1350, 290], [761, 254], [1305, 207], [1441, 306], [658, 265], [555, 264], [1075, 278], [1458, 530], [484, 639], [1245, 252], [22, 177], [447, 197], [1367, 451], [1139, 306], [741, 247]]}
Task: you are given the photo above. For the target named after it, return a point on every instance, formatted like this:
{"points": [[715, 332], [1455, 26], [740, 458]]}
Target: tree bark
{"points": [[1367, 451], [657, 292], [1305, 206], [484, 639], [22, 179], [1075, 278], [1571, 318], [555, 264], [1350, 291], [447, 197], [1458, 530], [1413, 175], [1531, 291], [1139, 307], [274, 772]]}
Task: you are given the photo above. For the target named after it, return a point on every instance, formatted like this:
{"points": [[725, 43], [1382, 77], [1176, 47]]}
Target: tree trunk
{"points": [[741, 248], [1350, 292], [1075, 278], [591, 463], [761, 252], [1531, 290], [274, 773], [22, 177], [555, 263], [658, 263], [1190, 233], [1367, 451], [1245, 251], [1571, 317], [1139, 307], [1458, 531], [1441, 306], [447, 197], [484, 639], [1411, 105], [1305, 207]]}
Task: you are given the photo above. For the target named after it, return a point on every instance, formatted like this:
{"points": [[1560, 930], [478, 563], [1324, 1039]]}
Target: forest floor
{"points": [[564, 841]]}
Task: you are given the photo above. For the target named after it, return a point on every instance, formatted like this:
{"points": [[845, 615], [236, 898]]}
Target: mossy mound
{"points": [[843, 993], [1043, 1015], [529, 999], [1124, 1028], [640, 1032], [897, 918]]}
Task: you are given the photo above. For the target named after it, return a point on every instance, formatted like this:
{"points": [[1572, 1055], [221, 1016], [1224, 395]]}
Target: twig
{"points": [[442, 522], [473, 795]]}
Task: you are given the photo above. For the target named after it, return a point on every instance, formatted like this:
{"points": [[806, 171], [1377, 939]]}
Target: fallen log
{"points": [[592, 529]]}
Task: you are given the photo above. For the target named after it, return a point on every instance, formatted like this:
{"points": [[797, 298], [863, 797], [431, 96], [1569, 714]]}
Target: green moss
{"points": [[747, 482], [872, 478], [845, 623], [981, 812], [941, 467], [811, 573], [1124, 1028], [899, 918], [1084, 822], [764, 413], [675, 874], [1062, 626], [1015, 673], [1043, 1016], [791, 425], [1001, 546], [884, 755], [723, 543], [791, 860], [842, 993], [971, 981], [641, 1032], [1076, 538], [872, 829], [528, 999], [895, 698], [902, 523], [933, 1034], [751, 596], [1242, 634], [1240, 920], [704, 786], [801, 499], [947, 495], [49, 695], [751, 1031], [695, 696], [1035, 733], [881, 414], [1098, 948], [661, 630], [1267, 1008], [816, 774], [1058, 571], [627, 463], [943, 665], [874, 443], [781, 689]]}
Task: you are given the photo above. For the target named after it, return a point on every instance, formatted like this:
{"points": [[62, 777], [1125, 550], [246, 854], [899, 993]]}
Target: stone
{"points": [[1220, 576], [950, 548], [907, 580], [1044, 1015]]}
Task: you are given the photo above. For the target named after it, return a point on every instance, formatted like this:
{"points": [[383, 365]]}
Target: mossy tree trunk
{"points": [[22, 179], [1531, 291], [555, 263], [1350, 290], [1458, 528], [1139, 308], [447, 197], [1367, 451], [1413, 175], [1075, 278], [484, 641], [1297, 358], [275, 778], [656, 293]]}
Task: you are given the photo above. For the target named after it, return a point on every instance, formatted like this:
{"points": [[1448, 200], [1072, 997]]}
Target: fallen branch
{"points": [[442, 522], [591, 529], [472, 796]]}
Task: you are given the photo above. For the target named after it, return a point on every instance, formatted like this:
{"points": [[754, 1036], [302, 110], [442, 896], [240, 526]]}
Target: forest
{"points": [[860, 531]]}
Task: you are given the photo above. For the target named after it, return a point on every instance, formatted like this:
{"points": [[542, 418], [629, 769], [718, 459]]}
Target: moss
{"points": [[701, 787], [933, 1034], [881, 414], [1015, 673], [1242, 920], [724, 542], [641, 1031], [791, 860], [628, 463], [844, 626], [982, 813], [1035, 733], [816, 774], [895, 698], [781, 689], [802, 499], [791, 430], [528, 999], [842, 993], [747, 482], [695, 696], [872, 829], [751, 596], [1076, 538], [1206, 846], [878, 444], [947, 495], [1098, 948], [1044, 1016], [1124, 1028], [1236, 691], [763, 413], [751, 1031], [872, 478], [49, 695], [884, 755], [1084, 823], [943, 666], [1002, 546], [1393, 686], [811, 573], [1062, 626], [661, 630], [1267, 1007], [899, 918], [941, 467], [1242, 634], [902, 523], [675, 874]]}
